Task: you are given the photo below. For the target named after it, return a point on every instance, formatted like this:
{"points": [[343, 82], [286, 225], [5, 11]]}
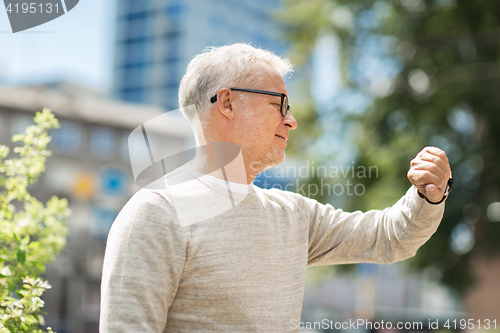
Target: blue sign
{"points": [[114, 182]]}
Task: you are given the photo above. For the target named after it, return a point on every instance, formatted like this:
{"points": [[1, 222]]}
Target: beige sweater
{"points": [[242, 268]]}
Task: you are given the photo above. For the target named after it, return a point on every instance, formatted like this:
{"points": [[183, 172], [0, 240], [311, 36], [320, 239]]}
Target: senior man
{"points": [[180, 259]]}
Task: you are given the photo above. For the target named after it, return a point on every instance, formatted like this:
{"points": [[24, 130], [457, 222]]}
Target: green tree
{"points": [[429, 71], [31, 234]]}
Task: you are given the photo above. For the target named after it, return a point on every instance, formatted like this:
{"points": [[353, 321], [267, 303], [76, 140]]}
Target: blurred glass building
{"points": [[156, 39]]}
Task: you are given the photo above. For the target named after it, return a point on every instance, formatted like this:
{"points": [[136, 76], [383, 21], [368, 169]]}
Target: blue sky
{"points": [[76, 47]]}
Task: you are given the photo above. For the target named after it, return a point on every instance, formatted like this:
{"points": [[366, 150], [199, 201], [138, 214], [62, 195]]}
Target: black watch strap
{"points": [[449, 186]]}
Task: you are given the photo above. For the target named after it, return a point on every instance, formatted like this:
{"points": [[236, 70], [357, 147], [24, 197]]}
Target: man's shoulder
{"points": [[151, 196], [158, 191], [147, 203], [165, 194]]}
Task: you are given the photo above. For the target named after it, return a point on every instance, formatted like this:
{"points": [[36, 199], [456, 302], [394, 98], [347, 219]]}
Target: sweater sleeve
{"points": [[393, 234], [143, 262]]}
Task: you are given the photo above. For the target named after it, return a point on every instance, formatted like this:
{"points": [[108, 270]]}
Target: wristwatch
{"points": [[449, 186]]}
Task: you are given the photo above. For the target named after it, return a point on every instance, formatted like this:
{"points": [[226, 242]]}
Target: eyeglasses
{"points": [[284, 106]]}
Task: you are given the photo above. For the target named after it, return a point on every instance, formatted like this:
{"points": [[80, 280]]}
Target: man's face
{"points": [[263, 131]]}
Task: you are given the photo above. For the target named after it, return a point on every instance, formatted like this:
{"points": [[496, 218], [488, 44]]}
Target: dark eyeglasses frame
{"points": [[284, 106]]}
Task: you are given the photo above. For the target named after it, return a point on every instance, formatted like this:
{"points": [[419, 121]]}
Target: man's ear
{"points": [[225, 101]]}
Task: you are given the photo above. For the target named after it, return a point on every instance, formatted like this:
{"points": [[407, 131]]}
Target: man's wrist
{"points": [[432, 203], [445, 195]]}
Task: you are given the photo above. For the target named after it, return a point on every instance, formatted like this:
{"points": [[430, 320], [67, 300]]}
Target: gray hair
{"points": [[223, 67]]}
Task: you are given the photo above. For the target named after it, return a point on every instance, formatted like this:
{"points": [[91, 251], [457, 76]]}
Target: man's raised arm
{"points": [[338, 237]]}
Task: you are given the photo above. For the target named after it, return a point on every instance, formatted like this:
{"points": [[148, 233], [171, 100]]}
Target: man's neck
{"points": [[223, 160]]}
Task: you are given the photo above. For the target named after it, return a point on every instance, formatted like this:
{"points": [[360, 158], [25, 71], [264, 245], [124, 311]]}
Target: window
{"points": [[68, 138], [135, 50], [102, 142], [174, 12], [134, 16], [135, 95], [134, 65], [134, 78], [169, 60], [133, 6], [172, 38], [137, 27]]}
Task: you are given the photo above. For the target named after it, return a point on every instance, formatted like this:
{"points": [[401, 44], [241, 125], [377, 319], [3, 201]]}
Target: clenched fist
{"points": [[429, 172]]}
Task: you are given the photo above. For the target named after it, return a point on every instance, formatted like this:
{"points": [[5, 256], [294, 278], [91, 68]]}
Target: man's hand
{"points": [[429, 172]]}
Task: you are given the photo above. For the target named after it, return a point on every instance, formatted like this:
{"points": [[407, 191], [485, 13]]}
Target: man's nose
{"points": [[290, 121]]}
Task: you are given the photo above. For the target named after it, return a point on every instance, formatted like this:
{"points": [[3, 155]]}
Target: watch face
{"points": [[449, 186]]}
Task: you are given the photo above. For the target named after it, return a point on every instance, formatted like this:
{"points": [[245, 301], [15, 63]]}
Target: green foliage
{"points": [[445, 55], [31, 234]]}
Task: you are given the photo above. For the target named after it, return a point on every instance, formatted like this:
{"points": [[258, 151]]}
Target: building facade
{"points": [[90, 166]]}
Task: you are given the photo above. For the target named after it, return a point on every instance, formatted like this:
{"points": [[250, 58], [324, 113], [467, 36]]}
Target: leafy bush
{"points": [[31, 234]]}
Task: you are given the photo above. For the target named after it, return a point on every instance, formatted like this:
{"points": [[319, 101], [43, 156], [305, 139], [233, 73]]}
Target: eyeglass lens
{"points": [[284, 106]]}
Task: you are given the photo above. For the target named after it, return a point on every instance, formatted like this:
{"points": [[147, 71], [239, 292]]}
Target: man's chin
{"points": [[277, 158], [281, 158]]}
